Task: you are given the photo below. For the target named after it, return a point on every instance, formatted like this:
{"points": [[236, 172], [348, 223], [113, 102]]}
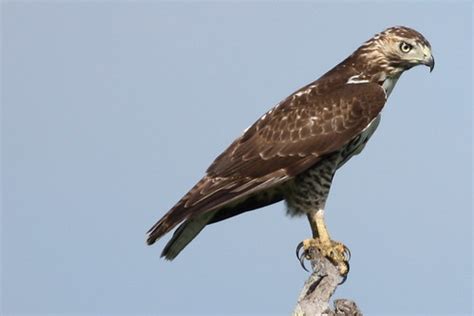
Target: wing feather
{"points": [[206, 197], [324, 125], [315, 121]]}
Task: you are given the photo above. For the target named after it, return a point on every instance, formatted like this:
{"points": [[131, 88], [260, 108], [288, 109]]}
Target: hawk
{"points": [[292, 152]]}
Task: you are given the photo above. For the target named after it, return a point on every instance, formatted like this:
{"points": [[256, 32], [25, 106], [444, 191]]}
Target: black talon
{"points": [[347, 253], [301, 257], [344, 278], [298, 248]]}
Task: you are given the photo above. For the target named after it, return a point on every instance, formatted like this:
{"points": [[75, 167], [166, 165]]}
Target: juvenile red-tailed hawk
{"points": [[293, 151]]}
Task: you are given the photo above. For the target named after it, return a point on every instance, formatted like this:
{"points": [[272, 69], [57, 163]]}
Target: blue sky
{"points": [[111, 111]]}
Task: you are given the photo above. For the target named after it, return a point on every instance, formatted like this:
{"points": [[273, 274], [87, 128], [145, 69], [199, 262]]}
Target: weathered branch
{"points": [[318, 289]]}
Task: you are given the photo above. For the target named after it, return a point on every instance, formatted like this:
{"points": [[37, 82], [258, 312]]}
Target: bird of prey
{"points": [[292, 152]]}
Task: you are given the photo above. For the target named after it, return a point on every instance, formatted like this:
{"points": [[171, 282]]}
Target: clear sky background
{"points": [[111, 111]]}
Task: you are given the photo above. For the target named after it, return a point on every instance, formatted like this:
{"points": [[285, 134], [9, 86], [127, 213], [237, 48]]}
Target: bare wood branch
{"points": [[319, 288]]}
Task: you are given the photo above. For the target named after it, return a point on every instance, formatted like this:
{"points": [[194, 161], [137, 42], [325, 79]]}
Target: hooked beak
{"points": [[428, 59], [430, 62]]}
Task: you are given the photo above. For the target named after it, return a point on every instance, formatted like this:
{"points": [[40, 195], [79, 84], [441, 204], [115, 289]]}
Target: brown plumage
{"points": [[299, 133]]}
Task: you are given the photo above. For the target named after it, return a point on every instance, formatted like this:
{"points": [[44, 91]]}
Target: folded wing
{"points": [[283, 143]]}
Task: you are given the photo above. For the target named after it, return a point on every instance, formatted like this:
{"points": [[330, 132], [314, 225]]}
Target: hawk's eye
{"points": [[405, 47]]}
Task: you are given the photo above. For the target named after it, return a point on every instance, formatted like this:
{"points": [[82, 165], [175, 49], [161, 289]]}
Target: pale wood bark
{"points": [[318, 290]]}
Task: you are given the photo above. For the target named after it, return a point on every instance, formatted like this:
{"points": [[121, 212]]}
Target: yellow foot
{"points": [[335, 251]]}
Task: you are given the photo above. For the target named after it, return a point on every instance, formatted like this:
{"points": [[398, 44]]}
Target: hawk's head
{"points": [[395, 50]]}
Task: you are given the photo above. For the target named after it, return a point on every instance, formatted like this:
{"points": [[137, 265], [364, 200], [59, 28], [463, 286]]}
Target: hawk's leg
{"points": [[335, 251]]}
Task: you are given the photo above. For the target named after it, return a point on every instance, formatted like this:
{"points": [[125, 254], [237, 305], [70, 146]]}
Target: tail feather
{"points": [[209, 201], [206, 196], [184, 210], [184, 234], [157, 231], [194, 201]]}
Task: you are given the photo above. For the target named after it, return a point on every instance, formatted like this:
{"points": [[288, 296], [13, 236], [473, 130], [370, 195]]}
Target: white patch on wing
{"points": [[300, 93], [356, 79]]}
